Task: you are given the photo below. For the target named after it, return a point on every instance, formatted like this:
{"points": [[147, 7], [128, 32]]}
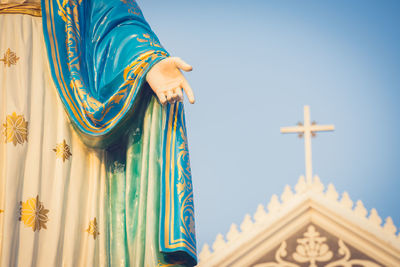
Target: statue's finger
{"points": [[169, 95], [162, 98], [182, 64], [175, 98], [179, 94], [188, 90]]}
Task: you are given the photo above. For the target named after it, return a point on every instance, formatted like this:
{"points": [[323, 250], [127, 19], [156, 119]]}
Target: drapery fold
{"points": [[99, 54]]}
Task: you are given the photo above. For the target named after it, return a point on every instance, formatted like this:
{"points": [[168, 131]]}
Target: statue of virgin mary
{"points": [[94, 163]]}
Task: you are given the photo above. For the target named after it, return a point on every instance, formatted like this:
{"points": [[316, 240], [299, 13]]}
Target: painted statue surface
{"points": [[94, 167]]}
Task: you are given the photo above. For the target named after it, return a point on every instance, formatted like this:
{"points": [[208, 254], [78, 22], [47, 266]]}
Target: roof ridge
{"points": [[288, 198]]}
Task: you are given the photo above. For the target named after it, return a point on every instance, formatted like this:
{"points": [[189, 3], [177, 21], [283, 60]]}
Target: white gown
{"points": [[51, 186]]}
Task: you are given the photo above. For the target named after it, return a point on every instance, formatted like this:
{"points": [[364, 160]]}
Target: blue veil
{"points": [[99, 53]]}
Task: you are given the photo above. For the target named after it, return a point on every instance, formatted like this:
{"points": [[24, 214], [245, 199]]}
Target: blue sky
{"points": [[256, 64]]}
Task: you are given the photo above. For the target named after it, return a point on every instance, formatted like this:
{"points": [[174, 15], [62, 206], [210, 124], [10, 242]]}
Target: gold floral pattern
{"points": [[146, 38], [33, 214], [63, 151], [92, 229], [9, 58], [1, 211], [16, 129], [133, 7], [192, 226], [184, 182]]}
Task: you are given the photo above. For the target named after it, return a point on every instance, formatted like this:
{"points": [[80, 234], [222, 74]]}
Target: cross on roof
{"points": [[307, 130]]}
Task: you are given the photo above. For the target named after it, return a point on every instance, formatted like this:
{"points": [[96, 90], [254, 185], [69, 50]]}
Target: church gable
{"points": [[308, 227], [313, 246]]}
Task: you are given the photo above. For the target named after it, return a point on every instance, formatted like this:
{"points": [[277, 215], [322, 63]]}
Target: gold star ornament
{"points": [[9, 58], [92, 229], [63, 151], [33, 214], [15, 129]]}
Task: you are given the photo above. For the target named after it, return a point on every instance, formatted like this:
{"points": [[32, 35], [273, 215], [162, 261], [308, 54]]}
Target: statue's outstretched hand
{"points": [[167, 81]]}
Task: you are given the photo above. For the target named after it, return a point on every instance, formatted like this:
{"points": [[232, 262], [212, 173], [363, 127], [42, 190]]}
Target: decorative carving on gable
{"points": [[376, 240], [314, 247]]}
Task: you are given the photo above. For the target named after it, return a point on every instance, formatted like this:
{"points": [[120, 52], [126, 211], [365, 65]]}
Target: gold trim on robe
{"points": [[32, 9]]}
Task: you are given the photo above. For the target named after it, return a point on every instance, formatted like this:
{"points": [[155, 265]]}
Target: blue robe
{"points": [[99, 53]]}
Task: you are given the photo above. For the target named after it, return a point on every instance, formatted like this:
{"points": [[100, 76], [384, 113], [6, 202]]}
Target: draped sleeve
{"points": [[99, 54]]}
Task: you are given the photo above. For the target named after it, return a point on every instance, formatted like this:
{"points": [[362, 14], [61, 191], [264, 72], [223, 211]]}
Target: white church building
{"points": [[308, 226]]}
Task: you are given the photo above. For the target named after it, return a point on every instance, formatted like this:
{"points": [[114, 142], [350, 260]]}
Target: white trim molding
{"points": [[309, 204]]}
